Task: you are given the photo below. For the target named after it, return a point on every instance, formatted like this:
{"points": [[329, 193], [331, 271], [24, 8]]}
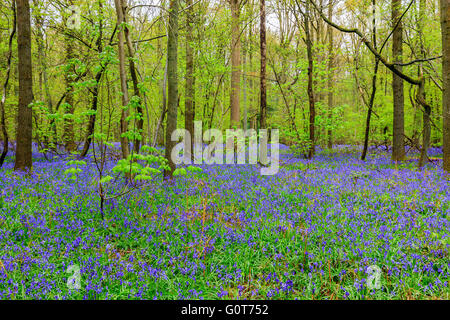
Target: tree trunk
{"points": [[52, 139], [134, 79], [190, 79], [416, 119], [172, 84], [69, 135], [319, 77], [426, 135], [123, 81], [398, 147], [263, 88], [374, 85], [95, 89], [92, 118], [24, 129], [426, 131], [445, 29], [330, 77], [235, 65], [5, 88], [245, 82], [312, 108]]}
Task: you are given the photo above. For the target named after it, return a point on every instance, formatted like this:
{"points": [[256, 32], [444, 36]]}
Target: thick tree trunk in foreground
{"points": [[123, 81], [445, 27], [189, 101], [398, 147], [24, 129], [235, 65], [263, 87], [172, 84]]}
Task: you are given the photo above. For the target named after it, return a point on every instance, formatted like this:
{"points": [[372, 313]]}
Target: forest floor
{"points": [[310, 232]]}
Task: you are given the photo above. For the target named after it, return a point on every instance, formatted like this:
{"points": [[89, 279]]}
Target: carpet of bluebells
{"points": [[309, 232]]}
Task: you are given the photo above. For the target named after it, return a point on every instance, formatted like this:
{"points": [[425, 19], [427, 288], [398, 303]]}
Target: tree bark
{"points": [[374, 85], [189, 101], [134, 79], [51, 137], [445, 29], [172, 84], [95, 89], [426, 131], [426, 135], [263, 86], [123, 81], [312, 108], [330, 77], [417, 122], [24, 129], [5, 88], [235, 65], [92, 118], [69, 135], [398, 146]]}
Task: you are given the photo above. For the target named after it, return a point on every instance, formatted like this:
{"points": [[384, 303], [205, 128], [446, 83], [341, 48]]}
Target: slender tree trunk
{"points": [[5, 88], [24, 131], [374, 84], [134, 79], [158, 136], [330, 76], [43, 63], [249, 81], [92, 118], [160, 122], [416, 132], [416, 119], [370, 109], [123, 81], [398, 148], [190, 79], [263, 87], [312, 108], [235, 65], [172, 84], [445, 29], [244, 89], [159, 133], [95, 89], [69, 135], [426, 131], [426, 135], [319, 77]]}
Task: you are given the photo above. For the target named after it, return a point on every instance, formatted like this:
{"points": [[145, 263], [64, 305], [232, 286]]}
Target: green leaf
{"points": [[106, 179]]}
